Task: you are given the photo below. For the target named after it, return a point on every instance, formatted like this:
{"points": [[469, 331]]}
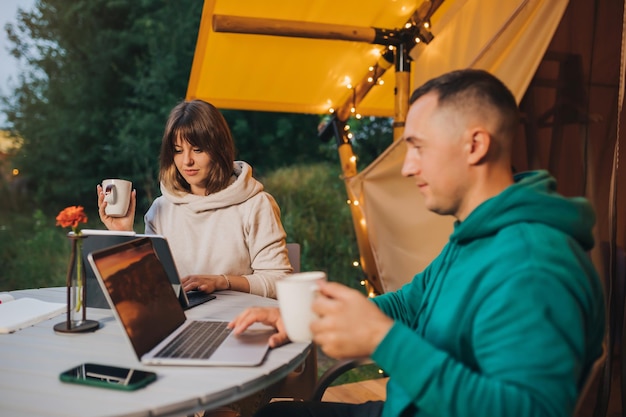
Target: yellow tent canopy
{"points": [[289, 72], [293, 74]]}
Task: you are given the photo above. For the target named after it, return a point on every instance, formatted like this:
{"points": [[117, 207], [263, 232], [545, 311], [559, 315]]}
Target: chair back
{"points": [[588, 396], [293, 252]]}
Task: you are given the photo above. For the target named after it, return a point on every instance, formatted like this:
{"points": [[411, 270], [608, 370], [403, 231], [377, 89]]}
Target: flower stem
{"points": [[79, 274]]}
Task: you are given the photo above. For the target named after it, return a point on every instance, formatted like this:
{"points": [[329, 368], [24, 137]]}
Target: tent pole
{"points": [[403, 85]]}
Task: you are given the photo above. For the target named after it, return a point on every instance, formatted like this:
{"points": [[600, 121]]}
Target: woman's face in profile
{"points": [[193, 164]]}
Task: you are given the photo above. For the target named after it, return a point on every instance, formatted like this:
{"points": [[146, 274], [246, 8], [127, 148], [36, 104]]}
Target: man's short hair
{"points": [[472, 87]]}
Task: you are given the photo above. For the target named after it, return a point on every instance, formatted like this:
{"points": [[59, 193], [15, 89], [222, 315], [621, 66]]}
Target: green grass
{"points": [[312, 199], [34, 253]]}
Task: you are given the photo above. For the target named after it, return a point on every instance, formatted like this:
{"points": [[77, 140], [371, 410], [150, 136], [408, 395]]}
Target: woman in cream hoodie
{"points": [[223, 229]]}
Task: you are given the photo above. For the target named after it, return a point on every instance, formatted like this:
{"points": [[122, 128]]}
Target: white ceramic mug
{"points": [[117, 195], [295, 295]]}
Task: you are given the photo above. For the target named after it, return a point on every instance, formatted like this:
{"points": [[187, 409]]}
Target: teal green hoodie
{"points": [[507, 320]]}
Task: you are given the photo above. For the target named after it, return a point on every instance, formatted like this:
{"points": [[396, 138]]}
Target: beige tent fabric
{"points": [[505, 37], [403, 234]]}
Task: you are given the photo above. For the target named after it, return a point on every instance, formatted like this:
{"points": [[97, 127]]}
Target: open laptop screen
{"points": [[140, 292]]}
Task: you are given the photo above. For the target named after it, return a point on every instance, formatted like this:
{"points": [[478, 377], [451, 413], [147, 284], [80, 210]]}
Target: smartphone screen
{"points": [[108, 376]]}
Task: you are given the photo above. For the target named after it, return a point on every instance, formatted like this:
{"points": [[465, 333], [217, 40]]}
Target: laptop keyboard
{"points": [[197, 341]]}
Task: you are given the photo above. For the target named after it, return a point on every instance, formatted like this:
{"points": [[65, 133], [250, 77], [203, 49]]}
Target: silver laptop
{"points": [[100, 239], [137, 288]]}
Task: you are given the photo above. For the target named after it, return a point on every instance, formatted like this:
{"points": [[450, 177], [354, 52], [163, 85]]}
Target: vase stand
{"points": [[79, 327]]}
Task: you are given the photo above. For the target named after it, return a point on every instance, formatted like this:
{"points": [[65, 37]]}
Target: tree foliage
{"points": [[273, 140], [102, 76], [372, 136]]}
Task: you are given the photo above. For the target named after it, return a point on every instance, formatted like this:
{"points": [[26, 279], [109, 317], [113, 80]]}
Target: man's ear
{"points": [[478, 146]]}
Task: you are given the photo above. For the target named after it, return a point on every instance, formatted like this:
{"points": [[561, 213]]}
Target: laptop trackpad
{"points": [[244, 347]]}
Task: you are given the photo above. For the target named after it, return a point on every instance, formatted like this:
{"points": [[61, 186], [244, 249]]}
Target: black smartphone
{"points": [[108, 376]]}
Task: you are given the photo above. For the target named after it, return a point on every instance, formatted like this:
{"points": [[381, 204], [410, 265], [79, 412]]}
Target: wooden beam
{"points": [[292, 28]]}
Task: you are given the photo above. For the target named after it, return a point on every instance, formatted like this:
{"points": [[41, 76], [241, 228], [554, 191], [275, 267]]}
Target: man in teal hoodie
{"points": [[509, 318]]}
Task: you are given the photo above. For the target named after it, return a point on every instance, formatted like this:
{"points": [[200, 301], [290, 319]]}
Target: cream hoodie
{"points": [[236, 231]]}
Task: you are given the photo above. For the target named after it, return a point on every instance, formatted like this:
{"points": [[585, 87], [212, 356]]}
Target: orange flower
{"points": [[71, 216]]}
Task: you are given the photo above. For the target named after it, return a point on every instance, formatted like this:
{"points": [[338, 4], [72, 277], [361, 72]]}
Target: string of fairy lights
{"points": [[373, 78], [412, 34]]}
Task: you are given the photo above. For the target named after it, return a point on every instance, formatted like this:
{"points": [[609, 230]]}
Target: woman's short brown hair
{"points": [[203, 127]]}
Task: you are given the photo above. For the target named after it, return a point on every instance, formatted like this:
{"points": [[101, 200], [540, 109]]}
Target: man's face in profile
{"points": [[435, 156]]}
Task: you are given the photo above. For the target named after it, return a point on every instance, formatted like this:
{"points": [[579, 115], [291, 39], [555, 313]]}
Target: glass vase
{"points": [[76, 314]]}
